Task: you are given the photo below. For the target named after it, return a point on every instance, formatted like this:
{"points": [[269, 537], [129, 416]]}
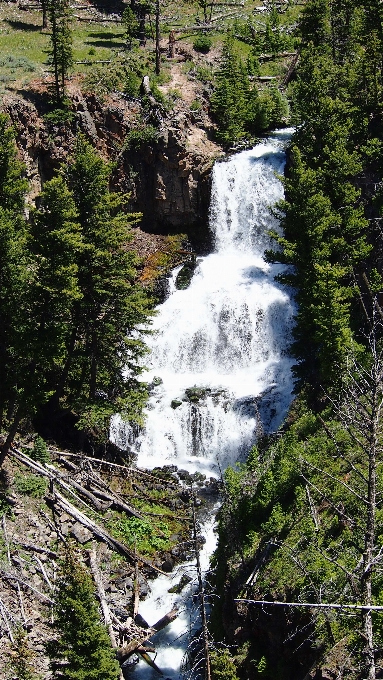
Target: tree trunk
{"points": [[158, 54], [201, 594], [45, 13], [101, 594], [11, 435]]}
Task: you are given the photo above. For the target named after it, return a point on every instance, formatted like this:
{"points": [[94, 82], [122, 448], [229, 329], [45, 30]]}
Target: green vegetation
{"points": [[82, 641], [40, 451], [202, 43], [302, 519], [31, 485], [239, 108], [83, 297], [21, 657], [60, 50], [329, 222], [144, 535], [222, 665]]}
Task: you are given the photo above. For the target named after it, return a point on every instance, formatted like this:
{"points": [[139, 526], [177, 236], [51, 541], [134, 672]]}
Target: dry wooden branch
{"points": [[136, 603], [168, 618], [98, 531], [117, 501], [6, 539], [144, 654], [141, 635], [21, 602], [37, 548], [52, 526], [65, 479], [3, 614], [146, 649], [7, 575], [132, 470], [52, 474], [260, 562], [44, 572], [201, 594], [101, 594], [315, 605]]}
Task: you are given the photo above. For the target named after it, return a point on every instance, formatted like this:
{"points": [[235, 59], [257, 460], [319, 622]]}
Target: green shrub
{"points": [[195, 105], [31, 485], [21, 657], [82, 640], [135, 139], [58, 117], [204, 74], [40, 451], [222, 665], [202, 43], [132, 84], [142, 534]]}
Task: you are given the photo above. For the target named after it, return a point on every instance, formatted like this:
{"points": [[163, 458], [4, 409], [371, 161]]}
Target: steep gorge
{"points": [[168, 178]]}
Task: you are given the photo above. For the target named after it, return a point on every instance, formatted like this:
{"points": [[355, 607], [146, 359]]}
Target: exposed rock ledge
{"points": [[169, 180]]}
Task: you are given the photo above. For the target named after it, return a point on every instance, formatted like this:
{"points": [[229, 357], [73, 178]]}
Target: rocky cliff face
{"points": [[168, 179]]}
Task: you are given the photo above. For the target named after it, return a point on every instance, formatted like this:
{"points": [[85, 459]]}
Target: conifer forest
{"points": [[191, 339]]}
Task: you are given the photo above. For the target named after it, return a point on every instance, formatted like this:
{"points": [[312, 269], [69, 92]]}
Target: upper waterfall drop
{"points": [[219, 346]]}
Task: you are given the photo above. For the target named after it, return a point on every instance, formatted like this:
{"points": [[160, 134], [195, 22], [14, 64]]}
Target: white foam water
{"points": [[226, 334]]}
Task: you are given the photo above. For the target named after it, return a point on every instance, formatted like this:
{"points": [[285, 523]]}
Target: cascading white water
{"points": [[226, 334]]}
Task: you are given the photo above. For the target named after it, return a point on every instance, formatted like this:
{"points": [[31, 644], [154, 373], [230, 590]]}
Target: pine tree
{"points": [[82, 641], [230, 100], [15, 274], [130, 24], [61, 52], [103, 359]]}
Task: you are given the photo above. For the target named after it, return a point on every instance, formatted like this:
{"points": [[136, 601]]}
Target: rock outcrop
{"points": [[168, 178]]}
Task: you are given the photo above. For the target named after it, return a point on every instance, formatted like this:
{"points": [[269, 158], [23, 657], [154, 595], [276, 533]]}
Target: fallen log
{"points": [[145, 656], [144, 634], [136, 602], [59, 476], [125, 468], [117, 501], [168, 618], [38, 594], [52, 474], [101, 594], [114, 543]]}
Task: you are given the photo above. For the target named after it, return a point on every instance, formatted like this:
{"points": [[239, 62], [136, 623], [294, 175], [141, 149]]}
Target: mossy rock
{"points": [[185, 275], [185, 579], [175, 403], [195, 394]]}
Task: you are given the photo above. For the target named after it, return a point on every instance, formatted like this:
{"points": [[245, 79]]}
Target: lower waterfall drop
{"points": [[219, 369], [220, 372]]}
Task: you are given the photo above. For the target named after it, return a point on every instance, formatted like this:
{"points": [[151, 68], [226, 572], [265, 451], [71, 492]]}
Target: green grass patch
{"points": [[142, 534], [30, 485]]}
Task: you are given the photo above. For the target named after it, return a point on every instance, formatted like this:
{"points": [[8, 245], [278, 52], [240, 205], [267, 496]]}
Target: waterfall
{"points": [[218, 368]]}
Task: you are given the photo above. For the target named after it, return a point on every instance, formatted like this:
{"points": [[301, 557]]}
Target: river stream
{"points": [[219, 364]]}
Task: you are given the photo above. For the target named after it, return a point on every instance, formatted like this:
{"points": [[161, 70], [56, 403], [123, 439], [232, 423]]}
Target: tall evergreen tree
{"points": [[83, 643], [103, 359], [15, 275], [61, 51]]}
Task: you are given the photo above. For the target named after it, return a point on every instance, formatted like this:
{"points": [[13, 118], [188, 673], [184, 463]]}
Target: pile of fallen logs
{"points": [[83, 484], [78, 492], [134, 633]]}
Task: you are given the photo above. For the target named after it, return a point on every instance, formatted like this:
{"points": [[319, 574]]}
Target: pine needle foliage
{"points": [[83, 642]]}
